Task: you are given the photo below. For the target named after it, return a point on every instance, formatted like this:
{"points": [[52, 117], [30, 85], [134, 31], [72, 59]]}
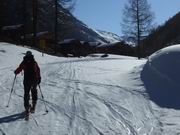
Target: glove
{"points": [[15, 72], [39, 81]]}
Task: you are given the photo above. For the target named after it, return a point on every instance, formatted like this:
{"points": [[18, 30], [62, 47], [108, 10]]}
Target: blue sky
{"points": [[107, 14]]}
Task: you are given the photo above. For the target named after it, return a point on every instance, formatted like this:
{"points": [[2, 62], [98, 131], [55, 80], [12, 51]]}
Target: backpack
{"points": [[29, 70]]}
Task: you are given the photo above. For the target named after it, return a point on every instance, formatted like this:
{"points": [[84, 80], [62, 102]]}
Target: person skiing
{"points": [[32, 78]]}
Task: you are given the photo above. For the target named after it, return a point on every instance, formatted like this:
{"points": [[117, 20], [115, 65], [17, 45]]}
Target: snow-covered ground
{"points": [[116, 95]]}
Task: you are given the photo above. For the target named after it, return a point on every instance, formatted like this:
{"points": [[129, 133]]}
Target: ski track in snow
{"points": [[77, 92], [77, 113], [79, 102]]}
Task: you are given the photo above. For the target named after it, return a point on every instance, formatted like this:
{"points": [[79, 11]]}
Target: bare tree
{"points": [[137, 21]]}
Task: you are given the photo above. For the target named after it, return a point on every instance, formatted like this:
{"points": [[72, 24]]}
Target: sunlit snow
{"points": [[115, 95]]}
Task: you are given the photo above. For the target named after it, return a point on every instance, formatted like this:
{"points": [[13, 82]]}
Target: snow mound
{"points": [[166, 62]]}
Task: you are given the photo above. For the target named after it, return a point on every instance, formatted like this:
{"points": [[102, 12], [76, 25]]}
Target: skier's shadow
{"points": [[12, 118]]}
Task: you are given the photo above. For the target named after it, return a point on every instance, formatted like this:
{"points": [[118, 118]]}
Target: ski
{"points": [[26, 116], [34, 120], [31, 115]]}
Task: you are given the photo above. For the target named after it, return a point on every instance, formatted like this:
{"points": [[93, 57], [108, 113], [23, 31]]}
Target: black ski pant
{"points": [[30, 86]]}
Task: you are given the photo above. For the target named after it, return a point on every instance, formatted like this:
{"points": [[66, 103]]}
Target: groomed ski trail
{"points": [[84, 96]]}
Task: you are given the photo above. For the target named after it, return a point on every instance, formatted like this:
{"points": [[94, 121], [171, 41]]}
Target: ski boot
{"points": [[27, 111], [32, 109]]}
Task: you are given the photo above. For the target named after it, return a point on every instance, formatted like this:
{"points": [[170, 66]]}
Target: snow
{"points": [[108, 36], [115, 95], [164, 59], [12, 27]]}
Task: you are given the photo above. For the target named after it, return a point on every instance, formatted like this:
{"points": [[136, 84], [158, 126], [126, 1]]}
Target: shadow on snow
{"points": [[161, 91], [11, 118]]}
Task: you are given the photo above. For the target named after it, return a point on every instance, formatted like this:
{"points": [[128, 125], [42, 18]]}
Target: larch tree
{"points": [[137, 21]]}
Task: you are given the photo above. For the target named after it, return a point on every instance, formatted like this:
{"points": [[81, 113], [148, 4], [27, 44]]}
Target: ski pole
{"points": [[11, 91], [43, 98]]}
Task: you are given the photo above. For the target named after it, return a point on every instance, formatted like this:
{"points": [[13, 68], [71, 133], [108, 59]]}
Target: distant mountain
{"points": [[165, 35], [109, 36], [128, 41], [70, 27]]}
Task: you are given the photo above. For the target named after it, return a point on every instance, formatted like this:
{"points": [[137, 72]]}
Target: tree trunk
{"points": [[138, 32], [56, 27], [35, 6]]}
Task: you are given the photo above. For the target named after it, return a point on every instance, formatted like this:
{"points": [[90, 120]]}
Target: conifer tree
{"points": [[137, 21]]}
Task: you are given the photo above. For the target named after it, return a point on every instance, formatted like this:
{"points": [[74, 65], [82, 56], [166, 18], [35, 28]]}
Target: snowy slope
{"points": [[110, 37], [87, 96], [69, 27]]}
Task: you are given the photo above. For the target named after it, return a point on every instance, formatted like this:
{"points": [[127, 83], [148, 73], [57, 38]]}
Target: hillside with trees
{"points": [[21, 19], [165, 35]]}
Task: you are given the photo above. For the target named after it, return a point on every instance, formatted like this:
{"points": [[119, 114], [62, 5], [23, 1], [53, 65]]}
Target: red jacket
{"points": [[28, 70]]}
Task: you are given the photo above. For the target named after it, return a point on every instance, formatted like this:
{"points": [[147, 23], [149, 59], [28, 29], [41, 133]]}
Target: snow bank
{"points": [[160, 77], [166, 62]]}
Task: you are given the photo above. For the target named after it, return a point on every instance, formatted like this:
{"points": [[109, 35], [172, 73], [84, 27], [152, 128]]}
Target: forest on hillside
{"points": [[164, 35], [22, 20]]}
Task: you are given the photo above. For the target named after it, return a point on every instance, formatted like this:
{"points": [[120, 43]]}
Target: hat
{"points": [[28, 53]]}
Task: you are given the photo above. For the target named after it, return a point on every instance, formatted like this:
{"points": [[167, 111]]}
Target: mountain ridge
{"points": [[165, 35], [68, 25]]}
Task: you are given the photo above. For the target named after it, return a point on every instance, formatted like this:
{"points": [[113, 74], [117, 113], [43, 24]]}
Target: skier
{"points": [[32, 78]]}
